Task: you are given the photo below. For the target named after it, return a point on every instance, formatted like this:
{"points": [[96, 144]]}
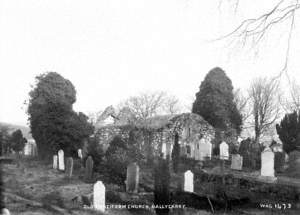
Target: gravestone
{"points": [[5, 211], [168, 149], [55, 161], [80, 153], [188, 185], [224, 151], [132, 179], [61, 160], [205, 149], [267, 163], [236, 162], [89, 165], [69, 167], [99, 196], [164, 150]]}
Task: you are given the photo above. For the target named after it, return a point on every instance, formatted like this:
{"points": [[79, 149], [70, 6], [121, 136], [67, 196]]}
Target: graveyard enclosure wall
{"points": [[154, 132]]}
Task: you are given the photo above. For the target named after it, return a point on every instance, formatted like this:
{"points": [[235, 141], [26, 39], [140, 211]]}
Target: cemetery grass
{"points": [[34, 187]]}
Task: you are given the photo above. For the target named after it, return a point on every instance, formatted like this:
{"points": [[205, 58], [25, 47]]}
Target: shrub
{"points": [[289, 132], [293, 169], [116, 160], [279, 161], [95, 150]]}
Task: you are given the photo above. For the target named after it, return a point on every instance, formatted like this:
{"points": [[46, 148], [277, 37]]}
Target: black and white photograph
{"points": [[151, 107]]}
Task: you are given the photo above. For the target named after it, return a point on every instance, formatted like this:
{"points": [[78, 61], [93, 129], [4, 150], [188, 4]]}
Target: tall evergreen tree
{"points": [[215, 101], [54, 125]]}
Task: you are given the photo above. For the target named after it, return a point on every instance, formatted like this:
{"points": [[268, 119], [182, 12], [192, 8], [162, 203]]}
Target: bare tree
{"points": [[254, 29], [242, 104], [265, 99], [292, 103], [149, 104], [172, 105]]}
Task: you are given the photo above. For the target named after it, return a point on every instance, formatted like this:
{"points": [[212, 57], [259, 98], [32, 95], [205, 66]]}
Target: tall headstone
{"points": [[236, 162], [267, 162], [99, 196], [69, 167], [132, 179], [224, 151], [168, 149], [164, 150], [89, 165], [204, 149], [55, 161], [80, 153], [61, 160], [188, 185]]}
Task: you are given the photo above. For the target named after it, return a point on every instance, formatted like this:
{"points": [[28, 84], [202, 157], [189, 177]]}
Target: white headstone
{"points": [[99, 196], [55, 161], [205, 149], [224, 151], [61, 160], [164, 150], [188, 181], [80, 153], [267, 163], [5, 211], [236, 162]]}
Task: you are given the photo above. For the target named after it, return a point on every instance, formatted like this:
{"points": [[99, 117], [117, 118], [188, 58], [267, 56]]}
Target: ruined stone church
{"points": [[159, 134]]}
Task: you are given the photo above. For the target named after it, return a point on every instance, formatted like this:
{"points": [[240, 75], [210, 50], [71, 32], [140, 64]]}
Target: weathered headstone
{"points": [[89, 165], [99, 196], [80, 153], [236, 162], [267, 163], [5, 211], [188, 185], [204, 150], [55, 161], [61, 160], [168, 149], [132, 180], [224, 151], [69, 167]]}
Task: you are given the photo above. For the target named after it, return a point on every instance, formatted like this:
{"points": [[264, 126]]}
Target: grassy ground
{"points": [[34, 188]]}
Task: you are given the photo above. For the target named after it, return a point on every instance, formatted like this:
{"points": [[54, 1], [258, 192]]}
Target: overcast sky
{"points": [[113, 49]]}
